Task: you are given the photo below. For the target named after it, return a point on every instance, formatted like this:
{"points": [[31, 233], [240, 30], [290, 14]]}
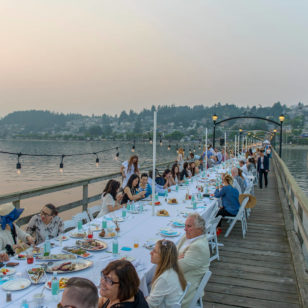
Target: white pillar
{"points": [[154, 163]]}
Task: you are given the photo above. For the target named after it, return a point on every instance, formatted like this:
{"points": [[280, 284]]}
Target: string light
{"points": [[18, 165], [19, 154], [161, 142], [150, 140], [194, 149], [169, 147], [62, 164], [133, 147], [199, 146]]}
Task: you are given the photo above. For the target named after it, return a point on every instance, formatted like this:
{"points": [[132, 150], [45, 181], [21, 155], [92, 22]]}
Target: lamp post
{"points": [[281, 119], [214, 118], [240, 141], [274, 131]]}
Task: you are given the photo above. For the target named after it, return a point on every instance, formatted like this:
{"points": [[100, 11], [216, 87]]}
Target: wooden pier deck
{"points": [[256, 271]]}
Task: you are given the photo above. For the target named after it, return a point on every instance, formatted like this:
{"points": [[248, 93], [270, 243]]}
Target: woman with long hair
{"points": [[128, 168], [131, 190], [168, 282], [175, 171], [185, 172], [180, 158], [111, 199], [193, 168]]}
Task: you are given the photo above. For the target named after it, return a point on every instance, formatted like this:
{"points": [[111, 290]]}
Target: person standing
{"points": [[128, 168], [263, 168]]}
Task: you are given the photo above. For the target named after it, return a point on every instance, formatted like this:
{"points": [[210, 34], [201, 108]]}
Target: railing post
{"points": [[85, 197], [16, 204]]}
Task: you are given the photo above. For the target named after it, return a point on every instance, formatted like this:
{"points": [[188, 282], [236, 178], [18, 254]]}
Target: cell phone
{"points": [[12, 264]]}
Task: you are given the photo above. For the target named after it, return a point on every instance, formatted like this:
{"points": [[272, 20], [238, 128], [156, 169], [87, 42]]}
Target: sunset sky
{"points": [[103, 56]]}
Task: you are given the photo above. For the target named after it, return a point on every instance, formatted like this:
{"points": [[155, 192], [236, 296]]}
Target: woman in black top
{"points": [[185, 172], [130, 191], [119, 287]]}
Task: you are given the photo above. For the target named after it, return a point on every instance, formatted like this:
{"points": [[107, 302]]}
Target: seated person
{"points": [[144, 185], [168, 282], [10, 233], [79, 293], [111, 198], [47, 223], [158, 188], [185, 172], [130, 191], [243, 167], [194, 170], [176, 175], [119, 286], [239, 180], [194, 254], [212, 161], [229, 198], [168, 179]]}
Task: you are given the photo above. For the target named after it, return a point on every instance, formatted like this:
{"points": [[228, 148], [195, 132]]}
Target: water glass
{"points": [[104, 224], [79, 225], [194, 205], [123, 212]]}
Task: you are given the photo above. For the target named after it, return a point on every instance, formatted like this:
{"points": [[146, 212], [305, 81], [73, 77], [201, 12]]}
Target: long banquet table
{"points": [[141, 227]]}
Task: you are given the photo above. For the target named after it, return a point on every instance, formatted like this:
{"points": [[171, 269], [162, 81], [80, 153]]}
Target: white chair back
{"points": [[69, 224], [212, 237], [81, 216], [197, 300], [240, 216], [94, 209], [179, 303]]}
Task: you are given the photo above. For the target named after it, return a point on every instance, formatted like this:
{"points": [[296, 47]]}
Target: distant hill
{"points": [[173, 121]]}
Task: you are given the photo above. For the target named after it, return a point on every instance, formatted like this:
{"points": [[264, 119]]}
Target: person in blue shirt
{"points": [[229, 198], [144, 185]]}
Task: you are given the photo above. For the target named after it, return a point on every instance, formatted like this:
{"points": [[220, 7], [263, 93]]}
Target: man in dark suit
{"points": [[263, 168]]}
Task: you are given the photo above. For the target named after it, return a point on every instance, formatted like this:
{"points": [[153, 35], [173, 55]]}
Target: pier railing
{"points": [[295, 207], [17, 197]]}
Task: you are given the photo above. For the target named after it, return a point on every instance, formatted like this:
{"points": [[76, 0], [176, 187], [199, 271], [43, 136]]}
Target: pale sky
{"points": [[103, 56]]}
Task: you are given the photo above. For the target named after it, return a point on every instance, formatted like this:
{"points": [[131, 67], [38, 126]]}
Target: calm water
{"points": [[296, 160], [44, 171]]}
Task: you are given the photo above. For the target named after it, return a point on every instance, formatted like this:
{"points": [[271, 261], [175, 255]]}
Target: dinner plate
{"points": [[56, 257], [119, 219], [16, 284], [64, 238], [78, 265], [24, 257], [4, 271], [85, 255], [91, 247], [178, 224], [169, 233], [78, 234]]}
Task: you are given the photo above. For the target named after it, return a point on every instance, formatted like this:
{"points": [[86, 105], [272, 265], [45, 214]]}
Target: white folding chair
{"points": [[211, 236], [94, 209], [197, 300], [179, 303], [81, 216], [241, 216], [69, 224]]}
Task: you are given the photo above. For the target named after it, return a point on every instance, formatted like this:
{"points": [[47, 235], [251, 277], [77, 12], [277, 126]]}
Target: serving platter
{"points": [[92, 244], [56, 257], [69, 267], [78, 251]]}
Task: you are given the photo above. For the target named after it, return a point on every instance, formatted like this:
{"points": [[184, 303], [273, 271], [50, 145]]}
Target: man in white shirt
{"points": [[194, 254], [243, 166]]}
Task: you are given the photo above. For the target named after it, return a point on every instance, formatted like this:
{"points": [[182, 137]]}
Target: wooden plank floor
{"points": [[256, 271]]}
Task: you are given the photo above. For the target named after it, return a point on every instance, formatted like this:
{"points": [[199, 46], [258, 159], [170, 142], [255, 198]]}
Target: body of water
{"points": [[296, 159]]}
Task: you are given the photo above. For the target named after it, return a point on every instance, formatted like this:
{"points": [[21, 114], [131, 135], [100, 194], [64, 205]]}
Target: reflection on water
{"points": [[296, 160]]}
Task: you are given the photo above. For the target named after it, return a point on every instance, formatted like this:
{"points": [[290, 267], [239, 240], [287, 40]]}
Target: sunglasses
{"points": [[109, 280], [66, 306]]}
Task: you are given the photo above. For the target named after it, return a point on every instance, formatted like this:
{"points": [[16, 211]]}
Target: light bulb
{"points": [[97, 162]]}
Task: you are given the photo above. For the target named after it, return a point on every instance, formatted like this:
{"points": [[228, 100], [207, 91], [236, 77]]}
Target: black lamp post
{"points": [[214, 118], [281, 119], [240, 142]]}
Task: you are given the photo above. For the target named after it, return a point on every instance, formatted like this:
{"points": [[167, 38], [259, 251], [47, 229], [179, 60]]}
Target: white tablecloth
{"points": [[141, 227]]}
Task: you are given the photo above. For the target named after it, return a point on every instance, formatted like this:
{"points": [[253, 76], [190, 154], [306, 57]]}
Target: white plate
{"points": [[66, 238], [119, 219], [11, 271], [16, 284], [169, 235]]}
